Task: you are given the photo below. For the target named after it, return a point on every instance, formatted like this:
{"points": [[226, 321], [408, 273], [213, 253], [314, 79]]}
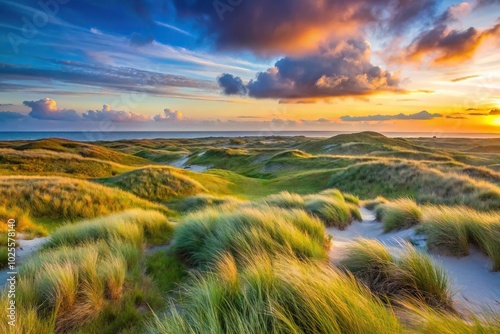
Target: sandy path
{"points": [[23, 251], [181, 163], [477, 288]]}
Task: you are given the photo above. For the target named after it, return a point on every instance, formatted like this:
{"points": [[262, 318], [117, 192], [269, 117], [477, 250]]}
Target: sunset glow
{"points": [[306, 65]]}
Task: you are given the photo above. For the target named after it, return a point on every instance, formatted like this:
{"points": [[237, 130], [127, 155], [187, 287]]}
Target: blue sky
{"points": [[149, 64]]}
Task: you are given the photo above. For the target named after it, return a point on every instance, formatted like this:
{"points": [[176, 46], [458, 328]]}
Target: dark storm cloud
{"points": [[342, 69], [286, 25], [423, 115]]}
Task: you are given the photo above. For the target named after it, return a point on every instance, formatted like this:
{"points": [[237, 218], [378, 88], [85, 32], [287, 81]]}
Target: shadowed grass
{"points": [[373, 203], [412, 275]]}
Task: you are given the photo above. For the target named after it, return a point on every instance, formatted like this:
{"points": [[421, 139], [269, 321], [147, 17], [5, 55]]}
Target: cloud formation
{"points": [[423, 115], [10, 116], [277, 26], [231, 85], [46, 109], [109, 77], [169, 115], [341, 69], [108, 115], [443, 45]]}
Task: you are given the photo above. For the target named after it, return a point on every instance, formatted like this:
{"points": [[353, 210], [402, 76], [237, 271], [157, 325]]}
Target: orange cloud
{"points": [[444, 46]]}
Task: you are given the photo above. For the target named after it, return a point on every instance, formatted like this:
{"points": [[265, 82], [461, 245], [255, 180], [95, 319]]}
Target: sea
{"points": [[90, 136]]}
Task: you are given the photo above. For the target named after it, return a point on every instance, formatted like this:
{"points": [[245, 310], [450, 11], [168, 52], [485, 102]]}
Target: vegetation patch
{"points": [[452, 230], [275, 296], [156, 184], [202, 237], [64, 199], [399, 214], [134, 227], [413, 275]]}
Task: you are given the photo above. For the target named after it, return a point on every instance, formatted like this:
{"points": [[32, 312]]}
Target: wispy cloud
{"points": [[423, 115], [468, 77], [172, 27]]}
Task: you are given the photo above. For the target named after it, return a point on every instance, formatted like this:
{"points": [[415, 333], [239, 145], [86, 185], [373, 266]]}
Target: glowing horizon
{"points": [[426, 66]]}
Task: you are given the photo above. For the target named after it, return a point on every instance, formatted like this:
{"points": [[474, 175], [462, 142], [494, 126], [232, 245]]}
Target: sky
{"points": [[254, 65]]}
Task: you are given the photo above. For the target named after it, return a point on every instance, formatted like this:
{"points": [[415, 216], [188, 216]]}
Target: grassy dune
{"points": [[36, 162], [83, 149], [418, 181], [57, 199], [249, 253], [156, 183], [89, 274]]}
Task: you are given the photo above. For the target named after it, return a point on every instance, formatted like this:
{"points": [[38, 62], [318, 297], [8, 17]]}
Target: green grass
{"points": [[284, 200], [279, 296], [43, 162], [399, 214], [157, 184], [23, 223], [89, 281], [429, 321], [413, 275], [203, 201], [452, 230], [135, 227], [52, 200], [249, 254], [332, 212], [85, 150], [415, 179], [330, 206], [166, 269], [202, 237]]}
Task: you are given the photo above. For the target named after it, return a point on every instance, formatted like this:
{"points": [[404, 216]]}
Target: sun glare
{"points": [[496, 121]]}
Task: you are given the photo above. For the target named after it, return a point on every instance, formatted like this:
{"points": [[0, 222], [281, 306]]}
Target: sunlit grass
{"points": [[451, 230]]}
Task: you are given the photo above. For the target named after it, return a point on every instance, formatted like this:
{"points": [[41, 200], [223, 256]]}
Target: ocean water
{"points": [[120, 135]]}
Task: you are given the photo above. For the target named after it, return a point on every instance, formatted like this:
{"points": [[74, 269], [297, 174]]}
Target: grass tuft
{"points": [[413, 275], [451, 230], [399, 214]]}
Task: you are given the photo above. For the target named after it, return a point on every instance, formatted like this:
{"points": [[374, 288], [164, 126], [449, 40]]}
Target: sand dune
{"points": [[477, 288]]}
